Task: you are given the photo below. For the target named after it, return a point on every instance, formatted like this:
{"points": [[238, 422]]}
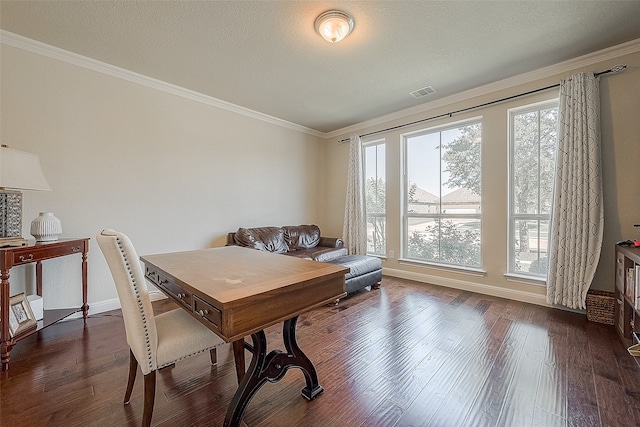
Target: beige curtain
{"points": [[354, 231], [578, 212]]}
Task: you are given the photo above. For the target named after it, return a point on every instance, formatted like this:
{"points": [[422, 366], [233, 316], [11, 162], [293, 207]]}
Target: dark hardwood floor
{"points": [[408, 354]]}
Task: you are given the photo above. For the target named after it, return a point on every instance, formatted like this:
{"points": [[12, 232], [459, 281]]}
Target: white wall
{"points": [[620, 112], [172, 173]]}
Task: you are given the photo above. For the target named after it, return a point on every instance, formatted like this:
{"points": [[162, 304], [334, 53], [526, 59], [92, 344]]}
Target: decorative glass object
{"points": [[46, 227]]}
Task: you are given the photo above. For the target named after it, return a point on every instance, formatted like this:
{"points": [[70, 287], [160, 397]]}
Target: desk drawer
{"points": [[151, 275], [207, 311], [175, 291]]}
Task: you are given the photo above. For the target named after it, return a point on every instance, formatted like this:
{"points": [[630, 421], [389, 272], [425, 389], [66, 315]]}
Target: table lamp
{"points": [[19, 170]]}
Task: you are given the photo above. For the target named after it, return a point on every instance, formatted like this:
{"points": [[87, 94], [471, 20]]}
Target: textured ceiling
{"points": [[266, 56]]}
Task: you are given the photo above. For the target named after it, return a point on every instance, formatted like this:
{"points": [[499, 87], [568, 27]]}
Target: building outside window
{"points": [[533, 136], [375, 197], [442, 197]]}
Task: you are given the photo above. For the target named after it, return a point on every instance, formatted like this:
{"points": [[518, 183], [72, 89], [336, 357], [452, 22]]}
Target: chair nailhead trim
{"points": [[139, 301], [187, 356]]}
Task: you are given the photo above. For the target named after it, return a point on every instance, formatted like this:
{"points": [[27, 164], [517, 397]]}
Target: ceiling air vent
{"points": [[422, 92]]}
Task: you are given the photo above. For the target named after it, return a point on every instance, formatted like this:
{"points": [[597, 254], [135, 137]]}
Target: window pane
{"points": [[421, 242], [445, 240], [525, 163], [423, 166], [461, 168], [460, 242], [375, 235], [531, 239], [548, 142], [374, 179]]}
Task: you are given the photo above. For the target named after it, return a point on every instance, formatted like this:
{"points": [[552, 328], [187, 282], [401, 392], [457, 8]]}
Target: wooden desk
{"points": [[237, 292], [37, 252]]}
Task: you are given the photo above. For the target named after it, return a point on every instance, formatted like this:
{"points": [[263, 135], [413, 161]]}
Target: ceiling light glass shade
{"points": [[334, 25]]}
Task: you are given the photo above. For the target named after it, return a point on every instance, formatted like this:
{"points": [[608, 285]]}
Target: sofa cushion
{"points": [[320, 254], [301, 236], [263, 238], [358, 264]]}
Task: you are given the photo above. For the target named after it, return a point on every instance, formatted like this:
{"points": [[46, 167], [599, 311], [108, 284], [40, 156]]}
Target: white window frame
{"points": [[512, 216], [370, 144], [407, 215]]}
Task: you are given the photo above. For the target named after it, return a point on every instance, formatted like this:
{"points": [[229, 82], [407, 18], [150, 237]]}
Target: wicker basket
{"points": [[601, 307]]}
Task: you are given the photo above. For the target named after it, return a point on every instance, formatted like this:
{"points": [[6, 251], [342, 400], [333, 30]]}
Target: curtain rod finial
{"points": [[619, 68]]}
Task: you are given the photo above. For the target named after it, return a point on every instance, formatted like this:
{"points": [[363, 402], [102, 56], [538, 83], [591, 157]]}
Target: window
{"points": [[442, 201], [533, 137], [375, 200]]}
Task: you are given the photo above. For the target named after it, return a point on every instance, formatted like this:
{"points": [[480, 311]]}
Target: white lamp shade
{"points": [[20, 170]]}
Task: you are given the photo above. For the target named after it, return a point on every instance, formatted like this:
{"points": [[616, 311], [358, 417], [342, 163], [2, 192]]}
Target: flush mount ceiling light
{"points": [[334, 25]]}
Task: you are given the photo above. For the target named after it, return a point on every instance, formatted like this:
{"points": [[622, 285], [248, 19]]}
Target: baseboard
{"points": [[113, 304], [480, 288]]}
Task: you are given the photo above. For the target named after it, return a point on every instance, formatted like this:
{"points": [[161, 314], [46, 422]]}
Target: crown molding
{"points": [[34, 46], [610, 53], [53, 52]]}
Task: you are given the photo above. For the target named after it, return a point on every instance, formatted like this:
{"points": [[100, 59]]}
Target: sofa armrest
{"points": [[331, 242], [231, 241]]}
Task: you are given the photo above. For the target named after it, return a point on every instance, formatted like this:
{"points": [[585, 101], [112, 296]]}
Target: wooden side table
{"points": [[37, 252]]}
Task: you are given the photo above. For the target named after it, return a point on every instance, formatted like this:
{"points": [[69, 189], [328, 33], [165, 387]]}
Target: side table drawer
{"points": [[207, 311], [40, 253]]}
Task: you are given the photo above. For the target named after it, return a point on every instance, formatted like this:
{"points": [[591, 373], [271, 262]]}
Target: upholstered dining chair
{"points": [[154, 341]]}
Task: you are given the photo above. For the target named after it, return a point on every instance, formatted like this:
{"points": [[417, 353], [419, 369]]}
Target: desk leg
{"points": [[238, 356], [39, 278], [85, 306], [299, 360], [272, 367]]}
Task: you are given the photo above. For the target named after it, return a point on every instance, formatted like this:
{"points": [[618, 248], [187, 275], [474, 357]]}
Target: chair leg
{"points": [[149, 397], [214, 356], [133, 369]]}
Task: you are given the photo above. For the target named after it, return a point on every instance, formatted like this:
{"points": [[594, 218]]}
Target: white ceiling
{"points": [[266, 56]]}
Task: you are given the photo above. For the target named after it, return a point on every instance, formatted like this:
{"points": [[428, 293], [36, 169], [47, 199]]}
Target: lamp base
{"points": [[12, 241], [10, 218]]}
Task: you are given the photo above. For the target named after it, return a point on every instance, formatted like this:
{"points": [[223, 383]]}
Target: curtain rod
{"points": [[613, 70]]}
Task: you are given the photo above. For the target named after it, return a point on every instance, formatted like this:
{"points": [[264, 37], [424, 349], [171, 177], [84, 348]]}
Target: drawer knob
{"points": [[182, 296], [203, 312]]}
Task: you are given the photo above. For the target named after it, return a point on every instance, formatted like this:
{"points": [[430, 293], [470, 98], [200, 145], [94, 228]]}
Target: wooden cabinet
{"points": [[627, 314]]}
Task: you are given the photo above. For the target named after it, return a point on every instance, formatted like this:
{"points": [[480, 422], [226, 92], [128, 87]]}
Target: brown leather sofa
{"points": [[302, 241]]}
